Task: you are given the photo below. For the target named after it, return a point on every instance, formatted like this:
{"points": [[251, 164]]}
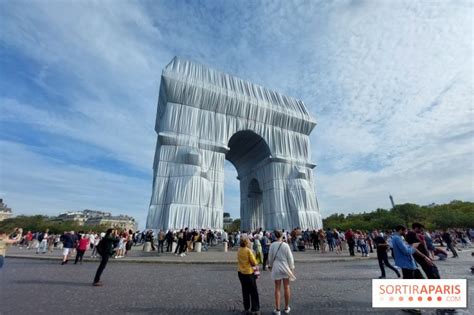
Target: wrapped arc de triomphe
{"points": [[204, 117]]}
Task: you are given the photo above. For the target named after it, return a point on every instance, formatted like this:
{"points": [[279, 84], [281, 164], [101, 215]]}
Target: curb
{"points": [[189, 262]]}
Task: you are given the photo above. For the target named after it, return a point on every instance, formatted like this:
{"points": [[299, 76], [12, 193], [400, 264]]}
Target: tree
{"points": [[456, 214], [409, 212], [235, 226]]}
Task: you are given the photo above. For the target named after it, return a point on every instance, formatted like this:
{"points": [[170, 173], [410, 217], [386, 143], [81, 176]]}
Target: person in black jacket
{"points": [[382, 256], [449, 242], [106, 248], [169, 241], [421, 255]]}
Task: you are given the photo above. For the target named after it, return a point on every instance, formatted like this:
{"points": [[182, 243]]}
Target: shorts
{"points": [[66, 251]]}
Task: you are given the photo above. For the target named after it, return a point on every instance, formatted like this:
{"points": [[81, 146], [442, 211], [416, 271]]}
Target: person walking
{"points": [[169, 241], [281, 264], [149, 238], [322, 241], [161, 240], [257, 248], [350, 241], [68, 244], [248, 280], [293, 239], [422, 256], [330, 239], [403, 254], [315, 239], [129, 242], [181, 247], [265, 248], [362, 244], [338, 241], [51, 239], [96, 238], [381, 248], [43, 242], [92, 237], [106, 248], [449, 242], [81, 248]]}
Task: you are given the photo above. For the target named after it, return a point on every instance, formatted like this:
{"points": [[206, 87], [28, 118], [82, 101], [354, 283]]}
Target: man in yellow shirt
{"points": [[246, 260]]}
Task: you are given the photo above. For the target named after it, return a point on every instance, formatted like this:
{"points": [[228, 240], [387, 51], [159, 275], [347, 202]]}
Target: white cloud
{"points": [[390, 84], [33, 183]]}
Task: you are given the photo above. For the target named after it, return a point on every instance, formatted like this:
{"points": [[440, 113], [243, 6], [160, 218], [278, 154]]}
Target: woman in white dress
{"points": [[281, 263]]}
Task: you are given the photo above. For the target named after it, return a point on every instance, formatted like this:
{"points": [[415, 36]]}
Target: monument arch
{"points": [[204, 117]]}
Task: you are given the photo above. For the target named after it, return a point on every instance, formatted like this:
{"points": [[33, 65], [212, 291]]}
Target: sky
{"points": [[390, 84]]}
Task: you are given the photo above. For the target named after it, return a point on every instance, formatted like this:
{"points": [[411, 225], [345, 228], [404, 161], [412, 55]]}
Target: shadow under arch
{"points": [[246, 150]]}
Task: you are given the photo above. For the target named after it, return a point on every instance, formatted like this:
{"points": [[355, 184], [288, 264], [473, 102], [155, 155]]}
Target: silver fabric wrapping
{"points": [[204, 117]]}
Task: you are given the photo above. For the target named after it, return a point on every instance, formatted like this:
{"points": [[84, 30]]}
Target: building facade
{"points": [[95, 218], [121, 222], [227, 220], [5, 212]]}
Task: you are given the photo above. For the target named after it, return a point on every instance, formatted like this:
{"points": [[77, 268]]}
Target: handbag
{"points": [[256, 271]]}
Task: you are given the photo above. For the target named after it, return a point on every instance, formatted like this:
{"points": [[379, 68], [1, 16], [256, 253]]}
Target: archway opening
{"points": [[246, 151]]}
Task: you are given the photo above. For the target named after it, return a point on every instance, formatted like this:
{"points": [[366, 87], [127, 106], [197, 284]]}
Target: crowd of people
{"points": [[411, 250]]}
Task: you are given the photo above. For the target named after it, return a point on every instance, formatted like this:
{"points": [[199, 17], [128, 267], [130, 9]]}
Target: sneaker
{"points": [[287, 311], [276, 312], [382, 277], [97, 284]]}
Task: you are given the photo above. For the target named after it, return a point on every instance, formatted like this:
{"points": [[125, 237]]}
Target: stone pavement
{"points": [[30, 286], [215, 255]]}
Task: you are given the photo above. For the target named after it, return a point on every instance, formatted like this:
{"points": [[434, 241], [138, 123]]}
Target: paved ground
{"points": [[30, 286]]}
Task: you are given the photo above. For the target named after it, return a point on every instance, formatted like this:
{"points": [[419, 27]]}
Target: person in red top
{"points": [[28, 238], [350, 241], [82, 245]]}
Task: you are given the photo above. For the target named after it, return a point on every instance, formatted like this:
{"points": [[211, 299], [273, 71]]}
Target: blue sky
{"points": [[389, 82]]}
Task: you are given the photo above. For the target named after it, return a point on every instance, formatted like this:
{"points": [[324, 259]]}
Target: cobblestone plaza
{"points": [[33, 286]]}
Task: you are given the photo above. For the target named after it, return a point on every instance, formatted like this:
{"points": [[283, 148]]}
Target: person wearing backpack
{"points": [[105, 248]]}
